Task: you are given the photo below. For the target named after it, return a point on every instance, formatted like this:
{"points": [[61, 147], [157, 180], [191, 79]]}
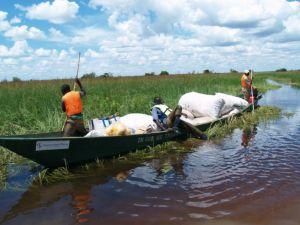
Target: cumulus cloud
{"points": [[172, 17], [20, 48], [90, 36], [57, 36], [15, 20], [134, 37], [4, 24], [24, 32], [57, 12]]}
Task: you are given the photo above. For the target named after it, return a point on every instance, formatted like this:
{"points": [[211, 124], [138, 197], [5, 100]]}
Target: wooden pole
{"points": [[252, 96], [77, 71]]}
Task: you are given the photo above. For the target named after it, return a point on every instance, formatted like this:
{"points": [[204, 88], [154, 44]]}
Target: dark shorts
{"points": [[74, 127]]}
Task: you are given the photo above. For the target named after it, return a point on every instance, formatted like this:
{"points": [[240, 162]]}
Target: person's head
{"points": [[65, 88], [247, 72], [157, 100]]}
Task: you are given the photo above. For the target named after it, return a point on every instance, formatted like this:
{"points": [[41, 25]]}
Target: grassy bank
{"points": [[291, 77]]}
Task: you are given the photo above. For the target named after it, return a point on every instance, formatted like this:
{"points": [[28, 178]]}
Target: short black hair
{"points": [[157, 100], [65, 88]]}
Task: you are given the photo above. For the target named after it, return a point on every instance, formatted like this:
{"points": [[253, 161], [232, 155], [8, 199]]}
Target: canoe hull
{"points": [[60, 151]]}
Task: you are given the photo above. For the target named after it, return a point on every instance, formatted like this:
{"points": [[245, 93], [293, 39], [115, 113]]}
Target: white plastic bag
{"points": [[202, 105], [199, 120], [117, 129], [231, 103], [139, 123], [96, 133]]}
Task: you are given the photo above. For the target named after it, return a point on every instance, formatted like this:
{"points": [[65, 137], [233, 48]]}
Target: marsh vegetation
{"points": [[33, 107]]}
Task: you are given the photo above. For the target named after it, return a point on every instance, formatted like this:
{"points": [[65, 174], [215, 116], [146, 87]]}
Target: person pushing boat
{"points": [[166, 118], [163, 116], [72, 105], [248, 90], [246, 83]]}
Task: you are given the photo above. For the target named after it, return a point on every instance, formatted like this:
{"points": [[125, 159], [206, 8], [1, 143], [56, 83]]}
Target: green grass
{"points": [[32, 107], [263, 114]]}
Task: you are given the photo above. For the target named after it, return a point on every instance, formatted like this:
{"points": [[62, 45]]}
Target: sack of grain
{"points": [[231, 103], [117, 129], [202, 105], [139, 123]]}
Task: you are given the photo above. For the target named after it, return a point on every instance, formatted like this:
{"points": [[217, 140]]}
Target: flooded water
{"points": [[251, 177]]}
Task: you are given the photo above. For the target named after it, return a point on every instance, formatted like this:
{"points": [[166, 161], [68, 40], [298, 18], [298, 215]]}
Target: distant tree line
{"points": [[94, 75], [281, 70], [162, 73]]}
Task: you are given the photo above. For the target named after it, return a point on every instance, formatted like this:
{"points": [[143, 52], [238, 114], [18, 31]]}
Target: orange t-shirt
{"points": [[245, 81], [73, 103]]}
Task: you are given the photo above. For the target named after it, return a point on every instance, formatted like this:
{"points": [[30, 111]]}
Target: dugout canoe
{"points": [[52, 150]]}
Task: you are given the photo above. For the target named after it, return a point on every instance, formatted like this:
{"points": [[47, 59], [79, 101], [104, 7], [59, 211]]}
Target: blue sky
{"points": [[41, 39]]}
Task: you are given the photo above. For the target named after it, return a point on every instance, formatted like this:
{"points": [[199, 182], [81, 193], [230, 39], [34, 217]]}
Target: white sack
{"points": [[139, 123], [97, 126], [101, 124], [231, 113], [96, 133], [202, 105], [187, 114], [231, 103], [117, 129], [198, 121]]}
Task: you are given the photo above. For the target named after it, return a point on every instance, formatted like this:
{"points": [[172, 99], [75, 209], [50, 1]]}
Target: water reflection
{"points": [[248, 135], [81, 203], [78, 204]]}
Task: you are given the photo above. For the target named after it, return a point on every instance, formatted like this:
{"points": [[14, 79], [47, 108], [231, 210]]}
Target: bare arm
{"points": [[63, 107], [82, 91]]}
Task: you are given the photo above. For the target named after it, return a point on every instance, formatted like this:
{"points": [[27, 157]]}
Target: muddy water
{"points": [[250, 177]]}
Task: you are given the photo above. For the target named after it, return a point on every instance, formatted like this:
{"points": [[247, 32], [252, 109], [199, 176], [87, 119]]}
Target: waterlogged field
{"points": [[292, 78], [34, 106], [235, 177]]}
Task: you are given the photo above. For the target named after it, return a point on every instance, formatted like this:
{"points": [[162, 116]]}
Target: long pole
{"points": [[74, 86], [251, 88], [77, 71]]}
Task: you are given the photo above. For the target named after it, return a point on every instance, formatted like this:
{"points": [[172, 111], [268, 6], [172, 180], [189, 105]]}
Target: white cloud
{"points": [[91, 54], [292, 24], [24, 32], [90, 36], [57, 11], [10, 61], [3, 15], [134, 37], [4, 24], [20, 48], [113, 4], [41, 52], [15, 20], [57, 36]]}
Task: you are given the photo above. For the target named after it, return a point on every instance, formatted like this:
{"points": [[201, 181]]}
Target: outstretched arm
{"points": [[82, 91]]}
